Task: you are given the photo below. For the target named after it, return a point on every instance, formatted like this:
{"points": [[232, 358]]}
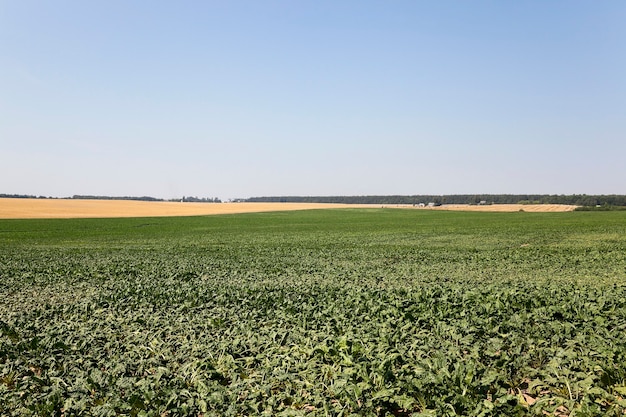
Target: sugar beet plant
{"points": [[348, 312]]}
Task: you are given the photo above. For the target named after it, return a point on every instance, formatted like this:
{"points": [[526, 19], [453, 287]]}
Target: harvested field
{"points": [[24, 208], [502, 208], [543, 208]]}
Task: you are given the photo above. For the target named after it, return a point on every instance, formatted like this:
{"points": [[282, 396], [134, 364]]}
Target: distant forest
{"points": [[104, 197], [611, 200], [576, 199]]}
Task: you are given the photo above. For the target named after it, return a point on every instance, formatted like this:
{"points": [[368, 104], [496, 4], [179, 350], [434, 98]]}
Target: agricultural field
{"points": [[42, 208], [35, 208], [368, 312]]}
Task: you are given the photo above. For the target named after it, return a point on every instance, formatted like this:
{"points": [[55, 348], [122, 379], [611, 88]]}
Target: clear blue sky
{"points": [[254, 98]]}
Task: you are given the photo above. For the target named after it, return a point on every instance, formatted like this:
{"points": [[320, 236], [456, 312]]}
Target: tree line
{"points": [[603, 200], [573, 199], [106, 197]]}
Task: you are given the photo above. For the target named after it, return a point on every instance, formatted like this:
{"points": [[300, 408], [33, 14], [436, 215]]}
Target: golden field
{"points": [[24, 208], [510, 207]]}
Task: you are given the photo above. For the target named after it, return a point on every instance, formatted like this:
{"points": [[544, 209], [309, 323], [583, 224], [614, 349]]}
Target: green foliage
{"points": [[574, 199], [330, 312]]}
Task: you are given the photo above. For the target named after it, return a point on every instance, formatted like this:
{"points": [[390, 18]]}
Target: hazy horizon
{"points": [[248, 99]]}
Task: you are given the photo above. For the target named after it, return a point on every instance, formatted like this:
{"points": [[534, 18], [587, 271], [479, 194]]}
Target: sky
{"points": [[237, 99]]}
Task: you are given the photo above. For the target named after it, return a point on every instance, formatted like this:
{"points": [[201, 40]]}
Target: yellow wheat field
{"points": [[24, 208]]}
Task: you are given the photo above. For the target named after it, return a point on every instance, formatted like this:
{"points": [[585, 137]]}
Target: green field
{"points": [[325, 312]]}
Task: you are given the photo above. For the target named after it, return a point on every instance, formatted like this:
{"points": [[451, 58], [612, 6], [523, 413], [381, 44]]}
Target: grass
{"points": [[322, 312]]}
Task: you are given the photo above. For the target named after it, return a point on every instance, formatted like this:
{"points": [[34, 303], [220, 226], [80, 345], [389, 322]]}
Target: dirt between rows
{"points": [[25, 208]]}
